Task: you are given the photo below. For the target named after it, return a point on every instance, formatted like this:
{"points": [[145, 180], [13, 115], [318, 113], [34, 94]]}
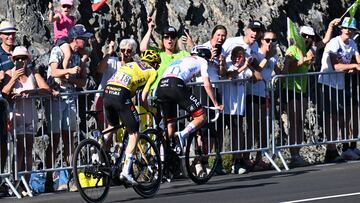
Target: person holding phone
{"points": [[216, 70], [168, 49], [22, 81]]}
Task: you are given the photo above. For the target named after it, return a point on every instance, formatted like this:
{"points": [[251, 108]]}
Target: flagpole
{"points": [[347, 11]]}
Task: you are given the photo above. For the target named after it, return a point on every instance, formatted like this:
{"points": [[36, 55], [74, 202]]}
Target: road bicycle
{"points": [[202, 149], [94, 171]]}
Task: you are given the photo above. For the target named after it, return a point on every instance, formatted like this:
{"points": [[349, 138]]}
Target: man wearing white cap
{"points": [[7, 36], [337, 57]]}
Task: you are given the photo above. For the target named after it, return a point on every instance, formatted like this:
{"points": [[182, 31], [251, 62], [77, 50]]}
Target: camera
{"points": [[218, 49]]}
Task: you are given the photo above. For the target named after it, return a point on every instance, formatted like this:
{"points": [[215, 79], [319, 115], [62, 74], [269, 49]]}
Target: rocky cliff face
{"points": [[127, 18]]}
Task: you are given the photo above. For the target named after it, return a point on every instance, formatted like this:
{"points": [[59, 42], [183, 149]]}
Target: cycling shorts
{"points": [[173, 91], [118, 105]]}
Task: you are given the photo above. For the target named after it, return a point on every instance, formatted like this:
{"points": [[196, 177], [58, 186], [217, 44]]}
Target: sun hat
{"points": [[346, 24], [79, 31], [307, 30], [67, 2], [20, 51], [7, 27]]}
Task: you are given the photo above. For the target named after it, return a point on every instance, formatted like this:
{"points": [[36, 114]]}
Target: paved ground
{"points": [[318, 183]]}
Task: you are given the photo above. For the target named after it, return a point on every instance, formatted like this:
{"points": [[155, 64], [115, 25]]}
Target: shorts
{"points": [[62, 115], [173, 91], [118, 106]]}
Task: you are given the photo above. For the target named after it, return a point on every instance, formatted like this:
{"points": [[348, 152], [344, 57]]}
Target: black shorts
{"points": [[173, 91], [118, 105]]}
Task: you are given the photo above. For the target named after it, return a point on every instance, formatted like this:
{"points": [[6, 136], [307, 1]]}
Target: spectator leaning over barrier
{"points": [[216, 70], [256, 98], [108, 65], [295, 90], [64, 110], [19, 83], [7, 35], [337, 57], [236, 105], [168, 50]]}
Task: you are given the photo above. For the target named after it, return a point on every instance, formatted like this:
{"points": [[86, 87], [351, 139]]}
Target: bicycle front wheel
{"points": [[92, 171], [202, 154], [146, 168]]}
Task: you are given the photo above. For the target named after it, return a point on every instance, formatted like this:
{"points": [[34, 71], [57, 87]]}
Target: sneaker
{"points": [[349, 155], [237, 169], [297, 161], [127, 178], [62, 187], [200, 170], [332, 156], [356, 151]]}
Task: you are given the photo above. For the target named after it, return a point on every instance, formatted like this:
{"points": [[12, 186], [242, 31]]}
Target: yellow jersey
{"points": [[132, 76]]}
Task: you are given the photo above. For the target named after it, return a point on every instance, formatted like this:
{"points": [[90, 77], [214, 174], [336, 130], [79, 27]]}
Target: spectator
{"points": [[295, 89], [7, 35], [21, 81], [236, 104], [63, 22], [256, 98], [337, 58], [3, 125], [168, 50], [216, 69], [108, 66], [78, 37]]}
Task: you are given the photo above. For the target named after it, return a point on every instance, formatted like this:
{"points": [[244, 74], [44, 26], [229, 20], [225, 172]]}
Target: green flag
{"points": [[353, 8], [294, 36]]}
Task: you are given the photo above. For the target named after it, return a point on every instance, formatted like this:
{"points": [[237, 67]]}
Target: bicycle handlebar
{"points": [[217, 113]]}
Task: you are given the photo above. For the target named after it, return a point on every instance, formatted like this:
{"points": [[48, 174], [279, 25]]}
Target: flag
{"points": [[294, 37], [353, 8]]}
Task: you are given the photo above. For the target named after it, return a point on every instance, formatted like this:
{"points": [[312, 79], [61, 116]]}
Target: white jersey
{"points": [[344, 53], [186, 68], [233, 42]]}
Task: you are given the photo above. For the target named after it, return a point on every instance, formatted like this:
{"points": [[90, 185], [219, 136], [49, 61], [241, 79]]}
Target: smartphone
{"points": [[218, 49], [19, 65], [186, 30]]}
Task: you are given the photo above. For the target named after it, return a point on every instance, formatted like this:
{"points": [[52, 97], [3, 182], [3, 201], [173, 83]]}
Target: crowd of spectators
{"points": [[251, 56]]}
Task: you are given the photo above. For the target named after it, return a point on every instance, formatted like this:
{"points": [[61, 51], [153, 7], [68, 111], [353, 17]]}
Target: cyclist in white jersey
{"points": [[172, 90]]}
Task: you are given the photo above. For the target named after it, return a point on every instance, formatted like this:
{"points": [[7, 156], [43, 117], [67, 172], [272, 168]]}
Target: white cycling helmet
{"points": [[201, 51]]}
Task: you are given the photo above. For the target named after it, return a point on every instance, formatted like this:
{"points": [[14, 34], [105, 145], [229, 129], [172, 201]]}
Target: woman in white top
{"points": [[20, 82]]}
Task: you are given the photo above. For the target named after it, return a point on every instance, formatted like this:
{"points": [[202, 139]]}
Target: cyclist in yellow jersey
{"points": [[118, 92]]}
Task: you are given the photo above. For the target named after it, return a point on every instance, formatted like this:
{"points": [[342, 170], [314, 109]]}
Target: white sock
{"points": [[188, 129], [128, 163]]}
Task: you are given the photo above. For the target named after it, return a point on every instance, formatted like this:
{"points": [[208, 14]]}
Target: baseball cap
{"points": [[67, 2], [170, 30], [347, 24], [307, 30], [7, 27], [20, 51], [255, 25], [79, 31]]}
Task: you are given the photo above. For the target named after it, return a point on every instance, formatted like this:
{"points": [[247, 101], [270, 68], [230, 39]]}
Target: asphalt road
{"points": [[318, 183]]}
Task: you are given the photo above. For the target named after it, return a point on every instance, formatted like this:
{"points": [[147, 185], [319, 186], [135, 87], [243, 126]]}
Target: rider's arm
{"points": [[209, 90], [146, 89]]}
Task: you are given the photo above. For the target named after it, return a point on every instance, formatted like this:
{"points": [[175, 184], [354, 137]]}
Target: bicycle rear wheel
{"points": [[201, 157], [146, 168], [92, 171]]}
